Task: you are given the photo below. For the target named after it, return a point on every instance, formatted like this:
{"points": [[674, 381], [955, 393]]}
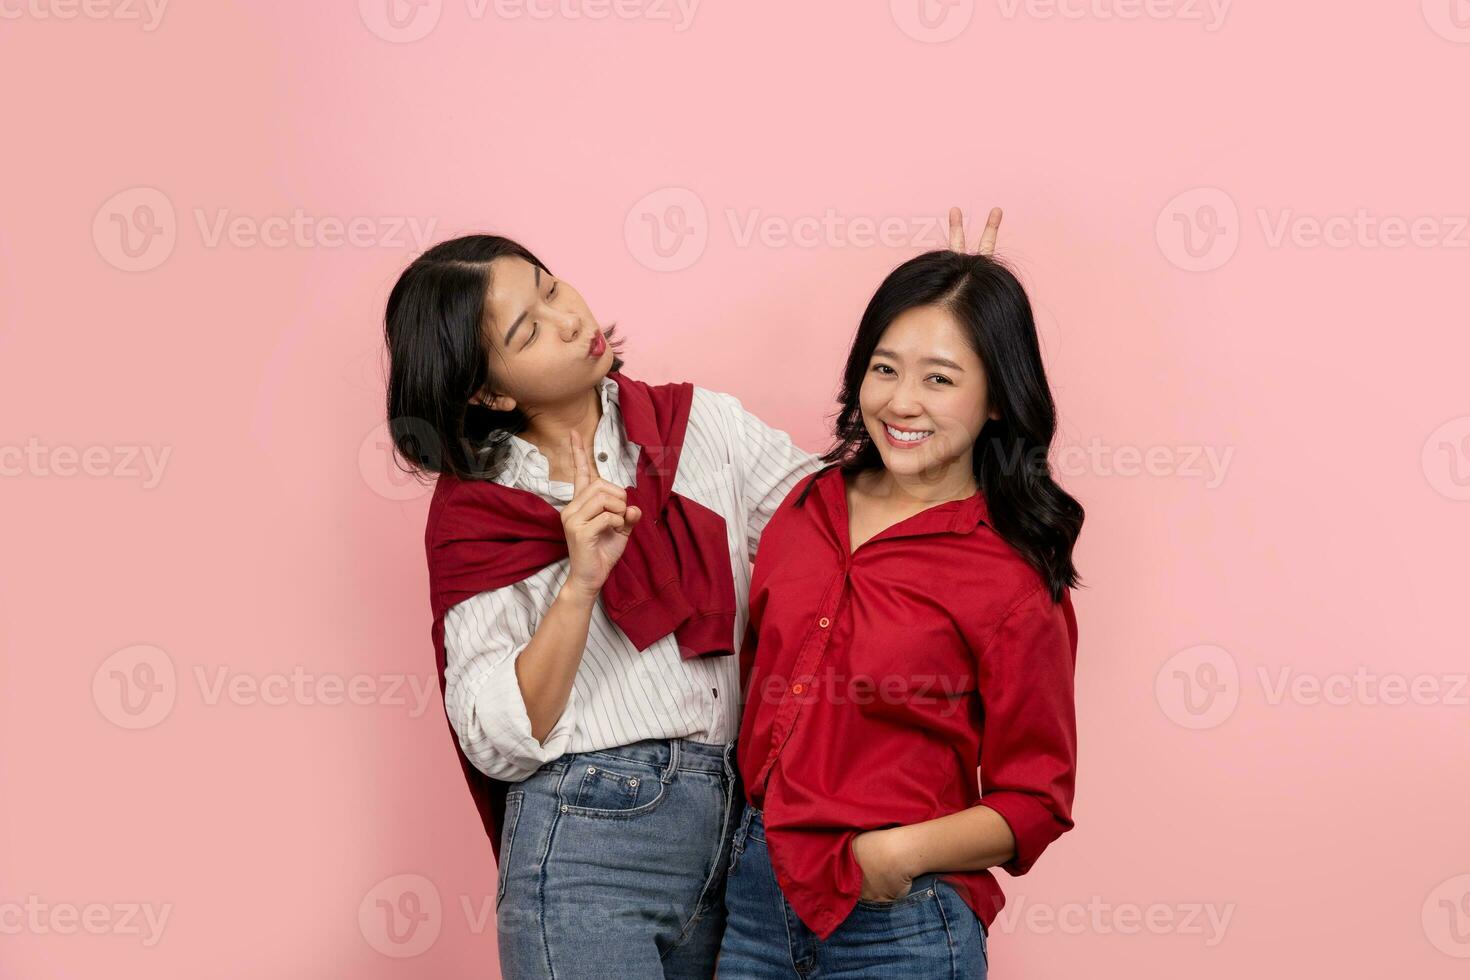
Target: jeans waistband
{"points": [[681, 753]]}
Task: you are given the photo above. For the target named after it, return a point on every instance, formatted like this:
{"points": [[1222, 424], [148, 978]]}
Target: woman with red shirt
{"points": [[910, 623]]}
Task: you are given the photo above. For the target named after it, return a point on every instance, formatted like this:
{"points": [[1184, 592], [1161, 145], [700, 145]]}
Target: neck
{"points": [[551, 427], [956, 482]]}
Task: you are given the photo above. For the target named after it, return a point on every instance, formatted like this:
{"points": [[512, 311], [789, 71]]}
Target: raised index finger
{"points": [[992, 229], [956, 230], [581, 471]]}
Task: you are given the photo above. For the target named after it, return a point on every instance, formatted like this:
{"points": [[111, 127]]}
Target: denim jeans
{"points": [[928, 934], [613, 863]]}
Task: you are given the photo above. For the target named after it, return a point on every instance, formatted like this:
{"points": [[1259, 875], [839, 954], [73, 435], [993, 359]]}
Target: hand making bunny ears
{"points": [[986, 245]]}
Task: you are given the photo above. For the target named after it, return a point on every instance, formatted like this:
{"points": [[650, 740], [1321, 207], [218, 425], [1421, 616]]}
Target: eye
{"points": [[881, 368], [942, 378], [552, 291]]}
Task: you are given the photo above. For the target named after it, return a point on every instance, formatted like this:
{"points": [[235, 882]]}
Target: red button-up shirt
{"points": [[878, 681]]}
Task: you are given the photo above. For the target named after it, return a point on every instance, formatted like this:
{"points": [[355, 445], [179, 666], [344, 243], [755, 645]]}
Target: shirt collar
{"points": [[524, 462]]}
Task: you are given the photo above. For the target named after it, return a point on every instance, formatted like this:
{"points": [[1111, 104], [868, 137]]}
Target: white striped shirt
{"points": [[732, 463]]}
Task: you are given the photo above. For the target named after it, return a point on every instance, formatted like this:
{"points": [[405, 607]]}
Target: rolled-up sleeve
{"points": [[1028, 759], [770, 465], [483, 636]]}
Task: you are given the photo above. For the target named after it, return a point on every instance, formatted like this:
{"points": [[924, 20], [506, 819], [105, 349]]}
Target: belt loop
{"points": [[738, 835], [747, 817], [673, 767]]}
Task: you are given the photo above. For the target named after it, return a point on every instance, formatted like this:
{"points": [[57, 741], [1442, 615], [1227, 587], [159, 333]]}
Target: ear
{"points": [[496, 403]]}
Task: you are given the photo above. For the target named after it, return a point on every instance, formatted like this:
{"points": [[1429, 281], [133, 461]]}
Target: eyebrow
{"points": [[514, 326], [941, 361]]}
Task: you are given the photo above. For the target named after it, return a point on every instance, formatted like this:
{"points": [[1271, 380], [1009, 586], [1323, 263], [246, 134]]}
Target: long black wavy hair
{"points": [[1027, 507], [439, 359]]}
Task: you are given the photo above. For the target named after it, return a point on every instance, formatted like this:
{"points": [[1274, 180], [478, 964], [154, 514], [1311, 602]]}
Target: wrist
{"points": [[904, 853], [572, 596]]}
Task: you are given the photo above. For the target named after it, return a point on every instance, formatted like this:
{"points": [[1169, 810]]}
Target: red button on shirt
{"points": [[931, 651]]}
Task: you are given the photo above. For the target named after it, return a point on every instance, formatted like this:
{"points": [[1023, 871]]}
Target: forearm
{"points": [[971, 840], [546, 668]]}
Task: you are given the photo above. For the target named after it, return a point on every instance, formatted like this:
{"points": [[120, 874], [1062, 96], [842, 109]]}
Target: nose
{"points": [[903, 402], [568, 325]]}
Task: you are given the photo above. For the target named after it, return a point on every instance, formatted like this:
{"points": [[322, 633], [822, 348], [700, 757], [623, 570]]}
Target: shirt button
{"points": [[797, 688], [602, 457], [824, 622]]}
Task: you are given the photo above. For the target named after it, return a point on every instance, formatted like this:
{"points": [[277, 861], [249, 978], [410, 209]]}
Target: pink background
{"points": [[1162, 172]]}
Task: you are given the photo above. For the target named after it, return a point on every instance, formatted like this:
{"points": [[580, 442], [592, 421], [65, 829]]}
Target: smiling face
{"points": [[546, 348], [924, 397]]}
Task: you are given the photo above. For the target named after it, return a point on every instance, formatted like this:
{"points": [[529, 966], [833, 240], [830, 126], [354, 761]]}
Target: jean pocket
{"points": [[514, 800], [611, 791], [921, 889]]}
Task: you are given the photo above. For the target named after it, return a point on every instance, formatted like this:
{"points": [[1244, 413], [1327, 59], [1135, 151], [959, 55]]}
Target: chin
{"points": [[907, 465]]}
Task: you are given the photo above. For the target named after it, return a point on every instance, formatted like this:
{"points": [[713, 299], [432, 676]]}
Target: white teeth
{"points": [[908, 436]]}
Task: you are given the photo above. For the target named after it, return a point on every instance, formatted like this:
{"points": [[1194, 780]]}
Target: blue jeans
{"points": [[613, 863], [930, 933]]}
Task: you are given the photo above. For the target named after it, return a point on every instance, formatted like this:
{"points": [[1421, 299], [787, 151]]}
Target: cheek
{"points": [[960, 413], [536, 373]]}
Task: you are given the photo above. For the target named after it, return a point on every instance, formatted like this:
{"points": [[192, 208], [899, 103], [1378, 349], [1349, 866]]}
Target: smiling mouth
{"points": [[905, 438]]}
